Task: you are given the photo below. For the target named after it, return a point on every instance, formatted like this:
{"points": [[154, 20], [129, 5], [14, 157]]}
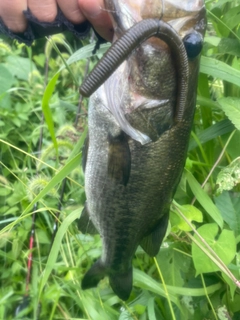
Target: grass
{"points": [[183, 281]]}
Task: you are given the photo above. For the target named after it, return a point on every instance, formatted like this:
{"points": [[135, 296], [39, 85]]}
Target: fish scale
{"points": [[129, 186]]}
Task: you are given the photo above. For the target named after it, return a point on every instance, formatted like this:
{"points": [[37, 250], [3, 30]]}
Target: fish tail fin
{"points": [[96, 273], [121, 284]]}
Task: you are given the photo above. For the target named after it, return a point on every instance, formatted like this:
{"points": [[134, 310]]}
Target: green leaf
{"points": [[190, 212], [151, 311], [86, 52], [144, 281], [231, 17], [213, 40], [220, 70], [212, 132], [56, 247], [174, 265], [230, 46], [229, 212], [231, 107], [204, 199], [6, 79], [223, 244], [232, 285], [5, 191], [20, 67], [47, 111]]}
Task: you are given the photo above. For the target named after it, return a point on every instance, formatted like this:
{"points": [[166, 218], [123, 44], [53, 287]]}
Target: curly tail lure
{"points": [[123, 47]]}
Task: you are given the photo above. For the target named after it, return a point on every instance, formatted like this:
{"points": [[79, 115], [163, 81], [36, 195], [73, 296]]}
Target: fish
{"points": [[141, 108]]}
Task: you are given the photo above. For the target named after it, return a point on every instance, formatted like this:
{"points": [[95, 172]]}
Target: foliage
{"points": [[194, 275]]}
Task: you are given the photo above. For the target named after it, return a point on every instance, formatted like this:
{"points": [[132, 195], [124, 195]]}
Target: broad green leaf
{"points": [[224, 244], [231, 107], [220, 70], [174, 265], [231, 17], [204, 199], [6, 79], [190, 212], [20, 67], [229, 211], [230, 46]]}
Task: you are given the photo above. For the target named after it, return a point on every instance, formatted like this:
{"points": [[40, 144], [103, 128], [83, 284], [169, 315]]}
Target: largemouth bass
{"points": [[140, 120]]}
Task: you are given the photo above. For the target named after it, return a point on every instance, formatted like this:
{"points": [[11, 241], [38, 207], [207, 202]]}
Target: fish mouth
{"points": [[182, 15]]}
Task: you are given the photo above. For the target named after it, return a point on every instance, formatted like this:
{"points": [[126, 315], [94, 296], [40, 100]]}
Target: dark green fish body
{"points": [[130, 185]]}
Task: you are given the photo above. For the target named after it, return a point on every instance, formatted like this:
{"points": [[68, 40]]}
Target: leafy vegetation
{"points": [[195, 274]]}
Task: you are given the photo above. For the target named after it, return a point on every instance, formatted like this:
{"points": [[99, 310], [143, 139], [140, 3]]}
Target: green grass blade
{"points": [[47, 111], [220, 70], [203, 198], [217, 129], [56, 247]]}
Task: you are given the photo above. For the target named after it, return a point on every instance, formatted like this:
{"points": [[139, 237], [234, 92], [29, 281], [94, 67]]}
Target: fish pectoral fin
{"points": [[85, 152], [151, 244], [121, 283], [119, 158], [85, 224], [96, 273]]}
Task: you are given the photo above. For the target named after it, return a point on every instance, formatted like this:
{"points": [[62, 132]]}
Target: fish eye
{"points": [[193, 43]]}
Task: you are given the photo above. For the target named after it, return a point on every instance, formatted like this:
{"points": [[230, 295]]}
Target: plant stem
{"points": [[165, 289]]}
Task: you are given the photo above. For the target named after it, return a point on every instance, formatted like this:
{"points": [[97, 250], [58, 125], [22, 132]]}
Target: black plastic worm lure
{"points": [[133, 38]]}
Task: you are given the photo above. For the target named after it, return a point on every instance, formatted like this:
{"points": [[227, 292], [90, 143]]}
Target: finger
{"points": [[94, 11], [43, 10], [11, 13], [71, 11]]}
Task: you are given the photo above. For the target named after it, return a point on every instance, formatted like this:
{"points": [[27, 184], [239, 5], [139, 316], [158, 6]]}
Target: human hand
{"points": [[76, 11]]}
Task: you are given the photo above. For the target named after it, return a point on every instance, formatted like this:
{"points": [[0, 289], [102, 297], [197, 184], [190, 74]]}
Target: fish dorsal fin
{"points": [[119, 158], [85, 224], [151, 244]]}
